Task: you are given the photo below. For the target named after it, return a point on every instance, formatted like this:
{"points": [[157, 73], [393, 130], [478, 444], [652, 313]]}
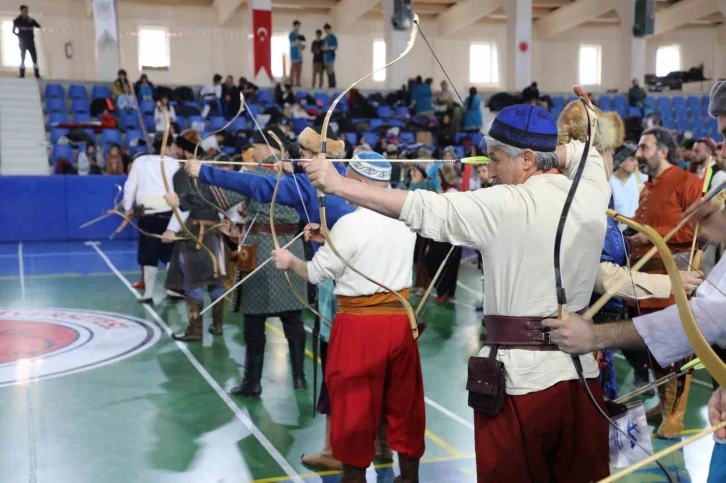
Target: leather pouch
{"points": [[247, 259], [486, 384], [138, 211]]}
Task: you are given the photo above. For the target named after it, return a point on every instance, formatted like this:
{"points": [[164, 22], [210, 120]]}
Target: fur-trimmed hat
{"points": [[572, 125], [188, 140], [717, 103], [310, 140]]}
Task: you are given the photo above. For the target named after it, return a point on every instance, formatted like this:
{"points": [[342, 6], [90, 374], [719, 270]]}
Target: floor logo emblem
{"points": [[40, 343]]}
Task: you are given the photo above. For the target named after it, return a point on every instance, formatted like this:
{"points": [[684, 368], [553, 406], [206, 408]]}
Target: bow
{"points": [[321, 195], [175, 210]]}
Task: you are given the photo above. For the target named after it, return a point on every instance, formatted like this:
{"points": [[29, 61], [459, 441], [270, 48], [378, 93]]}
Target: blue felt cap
{"points": [[525, 126], [371, 165]]}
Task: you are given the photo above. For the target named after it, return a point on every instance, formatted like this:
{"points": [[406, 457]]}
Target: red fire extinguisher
{"points": [[69, 50]]}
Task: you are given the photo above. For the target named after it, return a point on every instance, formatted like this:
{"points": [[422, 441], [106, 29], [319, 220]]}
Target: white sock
{"points": [[149, 280]]}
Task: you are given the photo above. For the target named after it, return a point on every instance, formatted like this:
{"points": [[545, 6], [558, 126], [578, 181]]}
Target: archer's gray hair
{"points": [[545, 161]]}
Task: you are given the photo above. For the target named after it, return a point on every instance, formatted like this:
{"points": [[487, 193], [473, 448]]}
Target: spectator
{"points": [[530, 95], [422, 98], [420, 181], [296, 47], [433, 168], [23, 26], [447, 130], [636, 96], [230, 96], [396, 171], [472, 118], [330, 45], [626, 181], [318, 58], [126, 102], [119, 85], [444, 96], [381, 144], [286, 97], [161, 108], [107, 119], [144, 89], [248, 89], [684, 155], [482, 172], [298, 112], [114, 160], [87, 162], [211, 95]]}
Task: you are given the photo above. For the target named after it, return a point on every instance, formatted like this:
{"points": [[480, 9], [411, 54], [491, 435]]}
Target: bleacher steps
{"points": [[23, 145]]}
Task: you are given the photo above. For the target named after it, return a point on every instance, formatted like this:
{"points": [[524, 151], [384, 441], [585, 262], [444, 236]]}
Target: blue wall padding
{"points": [[52, 208], [88, 197]]}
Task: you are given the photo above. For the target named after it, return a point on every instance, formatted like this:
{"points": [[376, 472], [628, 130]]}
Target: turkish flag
{"points": [[262, 29]]}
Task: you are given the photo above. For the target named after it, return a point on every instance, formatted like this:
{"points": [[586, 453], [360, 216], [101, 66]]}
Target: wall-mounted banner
{"points": [[104, 18], [262, 44]]}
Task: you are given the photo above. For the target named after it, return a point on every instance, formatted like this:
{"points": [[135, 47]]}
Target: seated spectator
{"points": [[419, 179], [126, 102], [358, 105], [119, 85], [87, 162], [381, 144], [298, 112], [472, 117], [530, 95], [444, 96], [114, 160], [636, 96], [159, 114], [144, 89], [108, 121], [64, 166], [422, 97], [482, 172], [212, 145], [447, 131], [248, 89], [285, 97]]}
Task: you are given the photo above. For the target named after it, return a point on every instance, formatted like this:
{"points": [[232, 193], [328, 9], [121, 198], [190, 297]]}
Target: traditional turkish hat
{"points": [[525, 126], [572, 125]]}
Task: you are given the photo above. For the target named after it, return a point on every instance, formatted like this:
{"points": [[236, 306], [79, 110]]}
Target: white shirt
{"points": [[159, 121], [514, 227], [378, 246], [145, 186], [626, 195], [211, 89]]}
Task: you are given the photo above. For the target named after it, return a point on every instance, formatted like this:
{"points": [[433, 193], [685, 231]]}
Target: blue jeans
{"points": [[215, 290], [717, 471]]}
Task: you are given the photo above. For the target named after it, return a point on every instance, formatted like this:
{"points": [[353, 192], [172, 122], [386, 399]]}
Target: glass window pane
{"points": [[590, 65], [280, 55], [482, 64], [153, 48], [667, 60], [10, 48]]}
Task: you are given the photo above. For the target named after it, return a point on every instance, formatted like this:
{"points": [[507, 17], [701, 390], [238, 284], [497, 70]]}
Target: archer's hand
{"points": [[172, 199], [193, 167], [313, 233], [282, 259], [168, 237], [691, 281], [712, 221], [129, 213], [573, 335], [717, 412], [638, 239], [322, 174]]}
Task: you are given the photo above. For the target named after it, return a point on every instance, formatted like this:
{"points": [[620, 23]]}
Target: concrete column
{"points": [[108, 54], [396, 41], [632, 49], [518, 62]]}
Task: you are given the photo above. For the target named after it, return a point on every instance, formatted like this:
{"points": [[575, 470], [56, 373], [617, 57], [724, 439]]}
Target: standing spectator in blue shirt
{"points": [[297, 44], [330, 45], [422, 97], [472, 120]]}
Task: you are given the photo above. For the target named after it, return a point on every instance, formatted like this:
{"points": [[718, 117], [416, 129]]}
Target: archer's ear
{"points": [[529, 160]]}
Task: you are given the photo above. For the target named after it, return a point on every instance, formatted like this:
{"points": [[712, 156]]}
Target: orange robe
{"points": [[662, 204]]}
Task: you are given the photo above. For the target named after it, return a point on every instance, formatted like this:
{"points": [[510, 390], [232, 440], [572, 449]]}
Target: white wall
{"points": [[200, 48]]}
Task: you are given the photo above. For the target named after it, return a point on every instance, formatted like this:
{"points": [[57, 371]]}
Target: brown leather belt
{"points": [[518, 332], [286, 229], [377, 304]]}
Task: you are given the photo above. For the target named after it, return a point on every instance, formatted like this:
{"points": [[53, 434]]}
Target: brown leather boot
{"points": [[351, 474], [672, 424], [194, 329], [383, 451], [409, 470], [217, 319], [324, 459]]}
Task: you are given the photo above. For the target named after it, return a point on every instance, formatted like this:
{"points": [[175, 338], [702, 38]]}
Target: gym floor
{"points": [[93, 389]]}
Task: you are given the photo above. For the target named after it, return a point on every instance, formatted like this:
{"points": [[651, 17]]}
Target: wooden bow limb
{"points": [[96, 220], [660, 454], [249, 275], [468, 160], [175, 210], [273, 232], [127, 222], [706, 182], [321, 195]]}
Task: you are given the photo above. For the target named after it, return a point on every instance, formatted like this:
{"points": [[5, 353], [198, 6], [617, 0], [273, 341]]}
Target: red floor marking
{"points": [[23, 340]]}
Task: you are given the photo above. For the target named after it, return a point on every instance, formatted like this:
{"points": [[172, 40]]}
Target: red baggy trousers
{"points": [[555, 435], [373, 372]]}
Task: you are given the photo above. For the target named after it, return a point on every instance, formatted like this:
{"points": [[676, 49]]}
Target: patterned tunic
{"points": [[267, 292]]}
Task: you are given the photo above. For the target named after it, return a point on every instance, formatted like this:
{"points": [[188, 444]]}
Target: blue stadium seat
{"points": [[57, 117], [556, 111], [192, 107], [558, 102], [323, 98], [668, 123], [77, 92], [147, 107], [254, 109], [395, 123], [301, 94], [699, 133], [678, 101], [407, 138], [459, 151], [54, 91], [664, 102], [183, 122], [571, 98], [54, 105], [682, 125], [216, 123], [402, 111], [351, 138], [375, 123], [80, 106], [635, 112], [650, 102], [239, 124], [62, 151], [705, 101], [371, 138], [99, 91], [712, 124], [605, 103], [132, 142], [82, 117], [129, 121], [459, 136], [622, 111], [299, 124], [265, 97], [198, 123], [478, 140], [149, 122], [109, 137], [699, 124], [56, 133], [693, 101], [384, 112]]}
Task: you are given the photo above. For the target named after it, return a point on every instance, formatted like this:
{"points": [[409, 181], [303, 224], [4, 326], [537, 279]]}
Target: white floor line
{"points": [[431, 403], [21, 270], [478, 293], [693, 380], [279, 459]]}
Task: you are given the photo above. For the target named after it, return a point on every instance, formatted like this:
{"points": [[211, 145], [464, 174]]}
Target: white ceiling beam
{"points": [[348, 11], [225, 9], [683, 13], [570, 16], [464, 13]]}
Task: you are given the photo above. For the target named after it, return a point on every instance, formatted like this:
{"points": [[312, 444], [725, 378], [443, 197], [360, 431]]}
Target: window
{"points": [[10, 49], [379, 60], [154, 48], [483, 64], [590, 65], [667, 60], [280, 56]]}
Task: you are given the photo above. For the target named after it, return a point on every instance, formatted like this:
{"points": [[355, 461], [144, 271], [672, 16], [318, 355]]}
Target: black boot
{"points": [[297, 360], [351, 474], [37, 73], [217, 318], [409, 470], [22, 72], [331, 80], [193, 333], [254, 357]]}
